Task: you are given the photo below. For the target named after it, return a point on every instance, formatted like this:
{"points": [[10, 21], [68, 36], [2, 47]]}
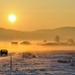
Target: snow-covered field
{"points": [[44, 64]]}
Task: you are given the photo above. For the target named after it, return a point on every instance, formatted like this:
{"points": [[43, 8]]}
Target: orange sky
{"points": [[37, 14]]}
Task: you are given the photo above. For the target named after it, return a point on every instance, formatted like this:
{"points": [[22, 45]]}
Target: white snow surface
{"points": [[42, 65]]}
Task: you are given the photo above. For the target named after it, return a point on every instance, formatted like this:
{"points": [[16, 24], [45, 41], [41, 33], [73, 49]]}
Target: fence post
{"points": [[11, 63], [23, 55]]}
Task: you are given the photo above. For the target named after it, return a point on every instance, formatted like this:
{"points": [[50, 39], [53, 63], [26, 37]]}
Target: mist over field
{"points": [[37, 37], [37, 60], [34, 47]]}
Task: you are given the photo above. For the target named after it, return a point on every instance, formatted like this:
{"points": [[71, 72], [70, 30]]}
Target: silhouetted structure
{"points": [[14, 43], [29, 55], [25, 43], [3, 52]]}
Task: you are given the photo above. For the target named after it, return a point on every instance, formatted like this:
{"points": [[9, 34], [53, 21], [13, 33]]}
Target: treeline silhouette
{"points": [[58, 41]]}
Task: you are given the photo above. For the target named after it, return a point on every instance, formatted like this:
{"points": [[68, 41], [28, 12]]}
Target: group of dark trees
{"points": [[70, 41], [59, 42]]}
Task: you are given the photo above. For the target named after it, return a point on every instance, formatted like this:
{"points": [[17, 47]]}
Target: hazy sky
{"points": [[37, 14]]}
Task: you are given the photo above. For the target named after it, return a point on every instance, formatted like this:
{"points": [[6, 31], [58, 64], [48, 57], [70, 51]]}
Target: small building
{"points": [[3, 52], [15, 43]]}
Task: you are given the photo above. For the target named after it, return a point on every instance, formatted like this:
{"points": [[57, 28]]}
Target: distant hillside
{"points": [[65, 33]]}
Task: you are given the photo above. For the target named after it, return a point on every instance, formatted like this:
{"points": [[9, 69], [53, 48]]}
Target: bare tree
{"points": [[45, 41], [57, 39]]}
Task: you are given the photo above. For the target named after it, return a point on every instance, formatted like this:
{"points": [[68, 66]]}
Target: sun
{"points": [[12, 18]]}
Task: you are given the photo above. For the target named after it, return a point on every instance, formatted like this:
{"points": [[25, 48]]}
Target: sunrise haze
{"points": [[37, 14]]}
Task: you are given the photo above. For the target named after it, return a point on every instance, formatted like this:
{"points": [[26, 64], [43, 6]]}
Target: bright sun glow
{"points": [[12, 18]]}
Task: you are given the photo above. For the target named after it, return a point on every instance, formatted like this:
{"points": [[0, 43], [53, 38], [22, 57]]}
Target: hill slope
{"points": [[65, 33]]}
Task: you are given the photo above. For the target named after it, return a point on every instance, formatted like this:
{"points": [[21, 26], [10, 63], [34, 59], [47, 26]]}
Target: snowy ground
{"points": [[42, 65]]}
